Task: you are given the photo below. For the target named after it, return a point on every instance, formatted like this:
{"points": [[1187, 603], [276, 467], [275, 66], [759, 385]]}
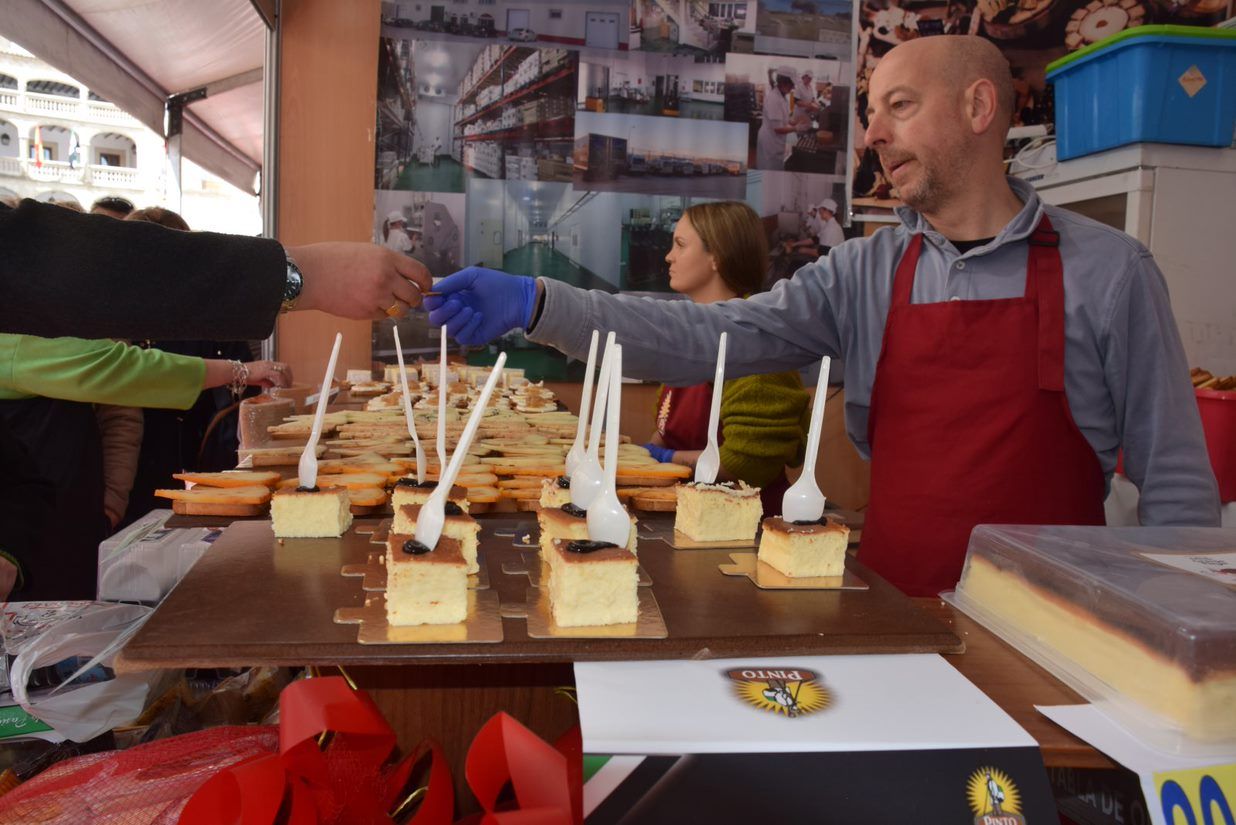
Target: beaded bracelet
{"points": [[240, 378]]}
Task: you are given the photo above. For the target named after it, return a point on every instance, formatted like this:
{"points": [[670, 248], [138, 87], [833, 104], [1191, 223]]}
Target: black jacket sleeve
{"points": [[92, 276], [27, 502]]}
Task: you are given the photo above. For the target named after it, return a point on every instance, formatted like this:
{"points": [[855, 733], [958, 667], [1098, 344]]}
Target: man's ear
{"points": [[981, 106]]}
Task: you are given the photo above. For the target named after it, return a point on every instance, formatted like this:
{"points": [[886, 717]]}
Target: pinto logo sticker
{"points": [[994, 799], [789, 692]]}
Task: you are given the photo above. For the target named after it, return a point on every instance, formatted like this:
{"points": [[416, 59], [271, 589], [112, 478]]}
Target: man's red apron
{"points": [[682, 421], [969, 424]]}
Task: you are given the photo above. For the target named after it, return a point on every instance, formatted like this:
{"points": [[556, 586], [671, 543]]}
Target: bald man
{"points": [[998, 351]]}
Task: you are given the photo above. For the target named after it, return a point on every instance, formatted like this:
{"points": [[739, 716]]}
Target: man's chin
{"points": [[909, 196]]}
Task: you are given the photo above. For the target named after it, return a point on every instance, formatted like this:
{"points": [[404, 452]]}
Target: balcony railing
{"points": [[54, 171], [51, 105], [58, 171], [65, 108], [108, 113], [114, 176]]}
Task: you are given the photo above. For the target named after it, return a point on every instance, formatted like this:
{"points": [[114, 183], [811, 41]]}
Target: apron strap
{"points": [[903, 282], [1045, 282]]}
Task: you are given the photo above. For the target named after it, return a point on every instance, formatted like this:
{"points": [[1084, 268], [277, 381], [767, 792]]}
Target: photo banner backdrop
{"points": [[565, 139], [1030, 33]]}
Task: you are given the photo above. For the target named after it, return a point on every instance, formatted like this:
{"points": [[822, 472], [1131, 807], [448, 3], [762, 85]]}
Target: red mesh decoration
{"points": [[353, 781], [145, 785], [264, 775]]}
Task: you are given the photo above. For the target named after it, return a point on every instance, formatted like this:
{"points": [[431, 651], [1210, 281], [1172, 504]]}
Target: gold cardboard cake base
{"points": [[483, 625], [382, 531], [537, 571], [767, 578], [649, 625], [374, 573], [679, 541]]}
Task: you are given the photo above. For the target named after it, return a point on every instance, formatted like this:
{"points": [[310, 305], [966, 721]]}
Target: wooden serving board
{"points": [[254, 600], [197, 508]]}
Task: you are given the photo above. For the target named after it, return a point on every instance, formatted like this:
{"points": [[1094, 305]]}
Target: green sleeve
{"points": [[764, 420], [98, 372]]}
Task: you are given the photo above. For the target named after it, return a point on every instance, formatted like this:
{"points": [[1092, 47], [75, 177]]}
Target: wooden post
{"points": [[327, 109]]}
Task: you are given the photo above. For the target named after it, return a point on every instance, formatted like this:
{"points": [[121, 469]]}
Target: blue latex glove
{"points": [[663, 454], [477, 305]]}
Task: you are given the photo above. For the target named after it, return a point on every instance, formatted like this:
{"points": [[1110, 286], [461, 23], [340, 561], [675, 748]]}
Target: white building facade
{"points": [[59, 142]]}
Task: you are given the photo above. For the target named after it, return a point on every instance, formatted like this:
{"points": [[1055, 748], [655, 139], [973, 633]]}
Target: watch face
{"points": [[292, 287]]}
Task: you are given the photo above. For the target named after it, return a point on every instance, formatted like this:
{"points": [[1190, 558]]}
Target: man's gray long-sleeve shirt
{"points": [[1126, 377]]}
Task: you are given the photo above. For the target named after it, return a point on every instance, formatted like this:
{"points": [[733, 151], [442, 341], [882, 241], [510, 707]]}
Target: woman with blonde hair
{"points": [[720, 253]]}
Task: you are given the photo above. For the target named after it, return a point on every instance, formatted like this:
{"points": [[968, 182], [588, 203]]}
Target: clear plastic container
{"points": [[1141, 621]]}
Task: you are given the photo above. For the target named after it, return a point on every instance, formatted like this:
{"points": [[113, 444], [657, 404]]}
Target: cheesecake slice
{"points": [[555, 492], [726, 511], [458, 525], [425, 586], [407, 491], [594, 583], [568, 523], [803, 550], [299, 513]]}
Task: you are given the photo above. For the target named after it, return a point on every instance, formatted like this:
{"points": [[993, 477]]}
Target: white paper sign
{"points": [[1177, 789], [793, 704], [1220, 567]]}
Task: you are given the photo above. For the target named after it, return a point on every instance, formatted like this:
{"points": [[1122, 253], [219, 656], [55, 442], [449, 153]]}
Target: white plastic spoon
{"points": [[576, 454], [607, 520], [804, 501], [709, 463], [442, 405], [407, 412], [433, 515], [588, 476], [307, 471]]}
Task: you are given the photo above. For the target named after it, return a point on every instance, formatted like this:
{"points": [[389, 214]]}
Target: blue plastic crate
{"points": [[1157, 84]]}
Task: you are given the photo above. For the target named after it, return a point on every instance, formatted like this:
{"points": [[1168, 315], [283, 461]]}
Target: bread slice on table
{"points": [[238, 478]]}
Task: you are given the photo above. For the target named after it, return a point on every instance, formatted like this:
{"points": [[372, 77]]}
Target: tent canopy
{"points": [[136, 54]]}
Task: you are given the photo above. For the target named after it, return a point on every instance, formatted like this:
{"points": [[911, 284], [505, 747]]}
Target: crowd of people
{"points": [[124, 352], [108, 422]]}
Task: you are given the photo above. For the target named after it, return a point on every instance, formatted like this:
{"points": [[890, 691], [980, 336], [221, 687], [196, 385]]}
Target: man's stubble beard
{"points": [[940, 179]]}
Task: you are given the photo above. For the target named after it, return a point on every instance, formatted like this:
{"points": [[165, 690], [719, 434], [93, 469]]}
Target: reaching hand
{"points": [[663, 454], [359, 280], [267, 374], [476, 305]]}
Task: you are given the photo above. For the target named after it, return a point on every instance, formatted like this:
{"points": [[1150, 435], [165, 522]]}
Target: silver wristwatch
{"points": [[292, 286]]}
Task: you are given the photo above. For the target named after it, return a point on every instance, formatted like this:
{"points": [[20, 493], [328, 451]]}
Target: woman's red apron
{"points": [[682, 421]]}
